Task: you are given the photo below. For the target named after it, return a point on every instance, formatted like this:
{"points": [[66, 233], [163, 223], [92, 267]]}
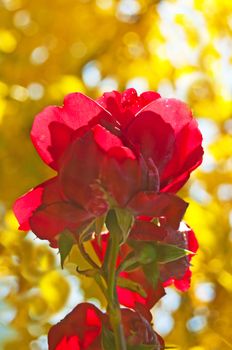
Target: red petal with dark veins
{"points": [[82, 326], [121, 175], [187, 156], [124, 106], [138, 330], [53, 128], [50, 220], [68, 343], [79, 175], [147, 231], [178, 272], [44, 211], [159, 204], [25, 206], [187, 151], [98, 163], [135, 300], [151, 136]]}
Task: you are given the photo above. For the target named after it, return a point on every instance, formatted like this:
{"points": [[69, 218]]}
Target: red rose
{"points": [[176, 271], [106, 152], [162, 130], [83, 329]]}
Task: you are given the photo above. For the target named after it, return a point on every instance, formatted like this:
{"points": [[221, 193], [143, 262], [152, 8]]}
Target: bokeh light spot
{"points": [[205, 291], [225, 192], [163, 322], [35, 91], [22, 19], [128, 10], [19, 93], [91, 74], [196, 323], [39, 55]]}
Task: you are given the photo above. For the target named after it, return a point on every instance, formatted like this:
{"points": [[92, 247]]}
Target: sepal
{"points": [[131, 285], [65, 243], [168, 252], [125, 221]]}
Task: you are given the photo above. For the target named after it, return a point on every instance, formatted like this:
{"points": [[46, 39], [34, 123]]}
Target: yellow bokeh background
{"points": [[183, 49]]}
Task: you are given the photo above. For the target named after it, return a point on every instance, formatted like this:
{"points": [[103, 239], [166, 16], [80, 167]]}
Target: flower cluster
{"points": [[119, 161]]}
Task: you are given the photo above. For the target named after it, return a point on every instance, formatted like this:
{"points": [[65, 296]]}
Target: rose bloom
{"points": [[175, 272], [83, 329], [120, 151]]}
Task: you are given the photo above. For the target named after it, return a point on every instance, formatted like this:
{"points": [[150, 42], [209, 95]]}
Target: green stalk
{"points": [[98, 275], [113, 304]]}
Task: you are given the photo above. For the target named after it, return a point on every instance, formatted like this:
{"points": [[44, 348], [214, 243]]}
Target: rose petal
{"points": [[133, 299], [53, 128], [25, 206], [159, 204], [147, 231], [187, 149], [187, 156], [178, 272], [139, 330], [50, 220], [151, 136], [95, 164], [68, 343], [79, 175], [123, 106], [121, 175], [83, 323]]}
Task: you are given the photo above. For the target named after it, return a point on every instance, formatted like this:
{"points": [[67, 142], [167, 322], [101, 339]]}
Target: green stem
{"points": [[98, 279], [86, 256], [98, 274], [113, 304]]}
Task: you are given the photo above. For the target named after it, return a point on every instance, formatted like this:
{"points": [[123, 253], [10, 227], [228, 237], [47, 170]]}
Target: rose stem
{"points": [[113, 304]]}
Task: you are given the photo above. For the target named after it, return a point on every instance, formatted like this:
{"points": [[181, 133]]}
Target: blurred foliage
{"points": [[30, 283], [180, 48]]}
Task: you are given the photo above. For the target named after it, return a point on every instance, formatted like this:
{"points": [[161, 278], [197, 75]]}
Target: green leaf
{"points": [[131, 285], [125, 221], [107, 339], [146, 253], [65, 244], [129, 263], [151, 271], [168, 252]]}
